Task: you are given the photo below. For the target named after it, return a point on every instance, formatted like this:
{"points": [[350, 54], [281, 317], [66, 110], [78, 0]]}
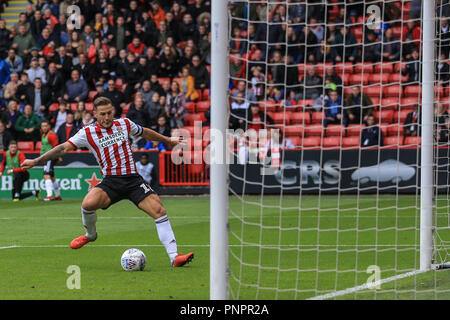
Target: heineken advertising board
{"points": [[74, 182]]}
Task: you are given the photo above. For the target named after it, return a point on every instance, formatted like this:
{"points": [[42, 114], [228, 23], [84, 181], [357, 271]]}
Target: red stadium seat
{"points": [[311, 142], [126, 108], [162, 80], [38, 146], [53, 107], [281, 117], [205, 94], [416, 141], [296, 141], [335, 130], [413, 91], [389, 103], [351, 142], [346, 78], [395, 130], [397, 32], [343, 68], [354, 129], [393, 141], [317, 117], [190, 107], [91, 95], [359, 79], [384, 115], [408, 103], [192, 117], [397, 78], [365, 67], [25, 146], [384, 128], [400, 116], [73, 106], [190, 129], [313, 130], [332, 142], [373, 91], [385, 67], [293, 131], [399, 66], [300, 118], [89, 106], [377, 78], [392, 91], [267, 106], [203, 106]]}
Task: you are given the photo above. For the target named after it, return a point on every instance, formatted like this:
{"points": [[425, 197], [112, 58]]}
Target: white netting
{"points": [[342, 82]]}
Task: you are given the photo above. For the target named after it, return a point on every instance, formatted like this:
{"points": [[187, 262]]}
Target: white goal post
{"points": [[423, 248]]}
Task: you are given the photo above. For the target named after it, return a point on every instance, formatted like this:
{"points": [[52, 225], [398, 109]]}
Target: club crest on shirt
{"points": [[112, 139]]}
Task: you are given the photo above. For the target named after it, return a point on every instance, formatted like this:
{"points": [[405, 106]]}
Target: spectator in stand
{"points": [[67, 129], [312, 85], [36, 71], [23, 42], [247, 92], [153, 109], [239, 110], [5, 137], [187, 27], [102, 67], [237, 43], [23, 88], [372, 47], [162, 128], [4, 75], [168, 63], [37, 24], [412, 123], [145, 168], [85, 69], [186, 84], [58, 117], [76, 89], [444, 132], [22, 21], [442, 70], [79, 115], [28, 125], [40, 99], [237, 68], [132, 76], [390, 48], [63, 62], [15, 62], [200, 74], [138, 115], [137, 47], [412, 69], [94, 50], [175, 109], [344, 39], [10, 89], [10, 116], [116, 96], [443, 37], [371, 135], [258, 119], [359, 106], [146, 91], [88, 119], [334, 113], [440, 116], [157, 13], [55, 83]]}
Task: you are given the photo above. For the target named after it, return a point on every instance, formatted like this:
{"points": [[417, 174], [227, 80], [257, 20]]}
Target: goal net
{"points": [[329, 202]]}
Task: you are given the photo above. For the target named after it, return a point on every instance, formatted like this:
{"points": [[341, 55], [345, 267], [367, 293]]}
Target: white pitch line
{"points": [[366, 286]]}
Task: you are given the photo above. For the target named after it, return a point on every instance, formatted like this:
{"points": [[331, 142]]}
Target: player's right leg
{"points": [[96, 199]]}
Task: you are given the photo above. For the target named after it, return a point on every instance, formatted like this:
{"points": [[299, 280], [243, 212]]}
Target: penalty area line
{"points": [[365, 286]]}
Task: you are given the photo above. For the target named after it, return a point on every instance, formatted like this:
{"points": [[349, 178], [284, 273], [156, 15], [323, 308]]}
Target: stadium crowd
{"points": [[152, 59]]}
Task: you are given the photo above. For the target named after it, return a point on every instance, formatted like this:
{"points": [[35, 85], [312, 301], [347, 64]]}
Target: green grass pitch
{"points": [[280, 248]]}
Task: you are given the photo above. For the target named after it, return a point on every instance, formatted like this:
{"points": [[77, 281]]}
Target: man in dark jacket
{"points": [[55, 82], [67, 129], [200, 74], [371, 135]]}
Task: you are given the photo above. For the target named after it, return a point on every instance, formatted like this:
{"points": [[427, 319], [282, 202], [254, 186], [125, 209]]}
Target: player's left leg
{"points": [[152, 205], [56, 189], [19, 179]]}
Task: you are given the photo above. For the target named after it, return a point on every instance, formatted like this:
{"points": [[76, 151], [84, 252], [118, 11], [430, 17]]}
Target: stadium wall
{"points": [[307, 172]]}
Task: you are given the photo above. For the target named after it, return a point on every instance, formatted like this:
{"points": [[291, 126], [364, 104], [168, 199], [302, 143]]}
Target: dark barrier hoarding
{"points": [[306, 172]]}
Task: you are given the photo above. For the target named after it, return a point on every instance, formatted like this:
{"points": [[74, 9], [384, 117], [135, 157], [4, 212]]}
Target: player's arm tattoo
{"points": [[151, 135], [54, 153]]}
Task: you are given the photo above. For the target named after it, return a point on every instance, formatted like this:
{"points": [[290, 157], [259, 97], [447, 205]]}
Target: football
{"points": [[133, 260]]}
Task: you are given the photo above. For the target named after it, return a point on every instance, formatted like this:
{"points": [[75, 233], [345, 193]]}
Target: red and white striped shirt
{"points": [[111, 146]]}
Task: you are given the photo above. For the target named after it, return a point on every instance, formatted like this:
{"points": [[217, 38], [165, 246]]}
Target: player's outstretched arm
{"points": [[52, 154], [151, 135]]}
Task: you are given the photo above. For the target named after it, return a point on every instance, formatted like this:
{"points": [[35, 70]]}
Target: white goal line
{"points": [[365, 286]]}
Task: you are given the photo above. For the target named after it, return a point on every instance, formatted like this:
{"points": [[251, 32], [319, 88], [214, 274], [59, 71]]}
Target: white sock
{"points": [[166, 236], [89, 220], [56, 188], [49, 187]]}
